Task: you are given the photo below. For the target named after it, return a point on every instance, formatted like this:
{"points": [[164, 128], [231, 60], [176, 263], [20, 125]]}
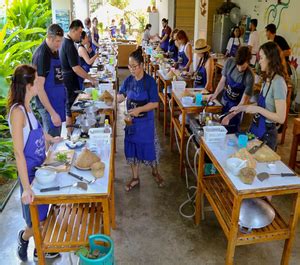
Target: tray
{"points": [[51, 158], [264, 154]]}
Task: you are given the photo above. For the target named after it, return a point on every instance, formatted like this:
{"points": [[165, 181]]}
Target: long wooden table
{"points": [[75, 214], [225, 193], [179, 127]]}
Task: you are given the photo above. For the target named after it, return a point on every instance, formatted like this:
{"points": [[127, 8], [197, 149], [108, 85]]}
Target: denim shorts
{"points": [[46, 121], [42, 209]]}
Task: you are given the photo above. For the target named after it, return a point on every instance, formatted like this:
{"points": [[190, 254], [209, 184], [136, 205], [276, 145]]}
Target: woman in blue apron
{"points": [[140, 92], [234, 42], [271, 105], [29, 146], [165, 35], [185, 52], [238, 80], [86, 61], [205, 69], [95, 34], [172, 48]]}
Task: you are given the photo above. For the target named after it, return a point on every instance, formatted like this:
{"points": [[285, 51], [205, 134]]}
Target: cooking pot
{"points": [[254, 214]]}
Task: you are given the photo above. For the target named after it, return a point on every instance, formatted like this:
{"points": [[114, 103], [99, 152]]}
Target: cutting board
{"points": [[51, 158], [264, 154]]}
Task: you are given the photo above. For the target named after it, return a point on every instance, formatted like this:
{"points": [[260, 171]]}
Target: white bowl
{"points": [[187, 101], [45, 176], [234, 165]]}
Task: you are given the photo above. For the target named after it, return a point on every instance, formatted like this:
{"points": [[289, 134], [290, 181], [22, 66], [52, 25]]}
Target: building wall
{"points": [[185, 16]]}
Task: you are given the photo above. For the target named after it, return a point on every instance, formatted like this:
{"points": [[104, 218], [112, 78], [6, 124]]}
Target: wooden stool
{"points": [[296, 142]]}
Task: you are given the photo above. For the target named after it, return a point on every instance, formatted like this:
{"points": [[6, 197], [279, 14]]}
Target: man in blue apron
{"points": [[237, 82], [165, 35], [70, 65], [51, 100]]}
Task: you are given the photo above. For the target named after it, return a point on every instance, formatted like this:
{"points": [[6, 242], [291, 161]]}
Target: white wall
{"points": [[81, 9], [288, 24]]}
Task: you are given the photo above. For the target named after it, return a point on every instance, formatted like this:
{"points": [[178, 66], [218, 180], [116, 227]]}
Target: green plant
{"points": [[7, 160], [14, 54], [29, 13]]}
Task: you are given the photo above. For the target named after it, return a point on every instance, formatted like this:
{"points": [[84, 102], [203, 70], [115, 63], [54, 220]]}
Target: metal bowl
{"points": [[254, 214]]}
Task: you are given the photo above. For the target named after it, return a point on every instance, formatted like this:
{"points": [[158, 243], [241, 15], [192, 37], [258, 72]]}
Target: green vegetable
{"points": [[61, 157]]}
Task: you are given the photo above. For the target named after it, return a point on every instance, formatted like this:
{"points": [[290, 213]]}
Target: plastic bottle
{"points": [[107, 127]]}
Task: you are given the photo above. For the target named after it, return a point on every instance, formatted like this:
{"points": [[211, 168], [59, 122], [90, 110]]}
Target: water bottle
{"points": [[107, 127]]}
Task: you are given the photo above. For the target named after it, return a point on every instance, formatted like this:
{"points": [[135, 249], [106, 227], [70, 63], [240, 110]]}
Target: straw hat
{"points": [[201, 46]]}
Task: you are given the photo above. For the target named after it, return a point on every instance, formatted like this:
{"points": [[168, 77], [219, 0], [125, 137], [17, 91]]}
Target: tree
{"points": [[121, 4]]}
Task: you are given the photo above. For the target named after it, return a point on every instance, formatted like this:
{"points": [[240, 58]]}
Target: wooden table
{"points": [[162, 86], [153, 68], [76, 213], [180, 127], [225, 193]]}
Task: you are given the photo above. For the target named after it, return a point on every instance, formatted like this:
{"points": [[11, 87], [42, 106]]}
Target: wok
{"points": [[254, 214]]}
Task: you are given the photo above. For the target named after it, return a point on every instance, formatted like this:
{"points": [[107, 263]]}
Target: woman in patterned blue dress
{"points": [[140, 92]]}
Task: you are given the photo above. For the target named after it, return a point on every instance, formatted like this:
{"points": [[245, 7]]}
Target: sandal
{"points": [[134, 182], [158, 179]]}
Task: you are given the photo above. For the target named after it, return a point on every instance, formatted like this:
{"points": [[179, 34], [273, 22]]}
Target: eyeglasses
{"points": [[133, 67]]}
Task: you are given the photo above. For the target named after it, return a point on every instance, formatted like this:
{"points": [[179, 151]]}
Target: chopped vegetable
{"points": [[61, 157]]}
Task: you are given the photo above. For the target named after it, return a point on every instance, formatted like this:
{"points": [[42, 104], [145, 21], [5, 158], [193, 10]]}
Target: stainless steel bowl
{"points": [[254, 214]]}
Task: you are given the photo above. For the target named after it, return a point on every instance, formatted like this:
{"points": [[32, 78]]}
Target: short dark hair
{"points": [[165, 20], [87, 21], [243, 55], [137, 55], [254, 22], [94, 19], [148, 26], [55, 30], [76, 24], [271, 27]]}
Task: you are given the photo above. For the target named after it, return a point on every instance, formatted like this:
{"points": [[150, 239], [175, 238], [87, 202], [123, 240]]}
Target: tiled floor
{"points": [[150, 230]]}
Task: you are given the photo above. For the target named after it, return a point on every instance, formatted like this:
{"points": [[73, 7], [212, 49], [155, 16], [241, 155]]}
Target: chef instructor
{"points": [[51, 99], [71, 68]]}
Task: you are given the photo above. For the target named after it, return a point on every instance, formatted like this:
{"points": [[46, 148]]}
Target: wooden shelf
{"points": [[221, 200], [69, 225]]}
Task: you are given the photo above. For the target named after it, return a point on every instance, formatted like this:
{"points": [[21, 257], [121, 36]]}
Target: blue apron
{"points": [[55, 90], [182, 59], [113, 31], [234, 48], [201, 75], [174, 50], [85, 66], [164, 45], [232, 97], [259, 127], [96, 38], [35, 154]]}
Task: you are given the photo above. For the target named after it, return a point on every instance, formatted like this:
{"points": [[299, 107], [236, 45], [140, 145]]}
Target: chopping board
{"points": [[264, 154], [51, 158]]}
